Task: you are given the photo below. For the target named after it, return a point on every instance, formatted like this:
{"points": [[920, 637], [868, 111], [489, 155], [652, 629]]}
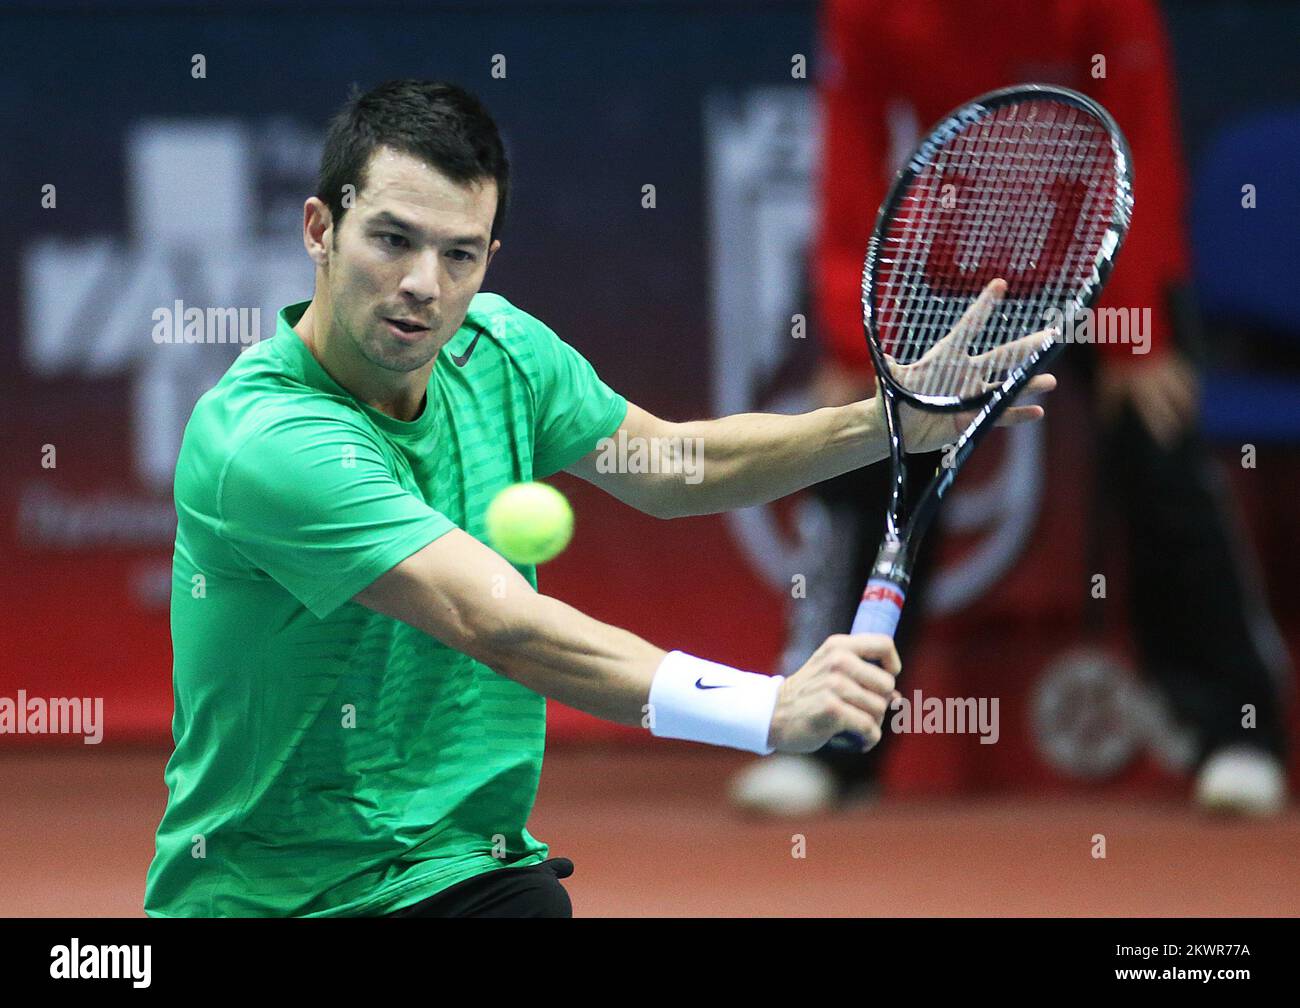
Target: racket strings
{"points": [[1021, 235], [1027, 194], [995, 218]]}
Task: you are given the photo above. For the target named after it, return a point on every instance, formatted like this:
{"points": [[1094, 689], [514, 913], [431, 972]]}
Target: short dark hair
{"points": [[441, 124]]}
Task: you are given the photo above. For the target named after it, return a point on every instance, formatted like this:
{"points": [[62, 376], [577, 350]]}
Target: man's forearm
{"points": [[472, 599], [583, 663], [613, 674], [753, 458]]}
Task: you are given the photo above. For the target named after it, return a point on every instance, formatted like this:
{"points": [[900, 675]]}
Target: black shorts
{"points": [[534, 891]]}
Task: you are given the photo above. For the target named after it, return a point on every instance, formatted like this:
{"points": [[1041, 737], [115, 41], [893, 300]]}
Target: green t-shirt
{"points": [[330, 760]]}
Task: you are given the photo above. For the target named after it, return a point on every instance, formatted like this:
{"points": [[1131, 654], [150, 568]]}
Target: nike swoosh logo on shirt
{"points": [[463, 359], [699, 684]]}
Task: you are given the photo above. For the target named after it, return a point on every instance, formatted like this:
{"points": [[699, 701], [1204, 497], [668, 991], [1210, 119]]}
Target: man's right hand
{"points": [[1163, 390], [846, 685]]}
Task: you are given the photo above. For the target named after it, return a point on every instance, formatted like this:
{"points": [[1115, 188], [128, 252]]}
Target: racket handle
{"points": [[880, 608], [878, 612]]}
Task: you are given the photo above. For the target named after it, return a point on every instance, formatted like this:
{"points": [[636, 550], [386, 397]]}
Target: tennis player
{"points": [[360, 682]]}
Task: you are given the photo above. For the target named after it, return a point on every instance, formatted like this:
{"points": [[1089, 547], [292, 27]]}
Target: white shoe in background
{"points": [[1242, 780], [784, 785]]}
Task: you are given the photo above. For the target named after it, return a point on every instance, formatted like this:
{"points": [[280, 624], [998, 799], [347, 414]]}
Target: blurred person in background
{"points": [[890, 70]]}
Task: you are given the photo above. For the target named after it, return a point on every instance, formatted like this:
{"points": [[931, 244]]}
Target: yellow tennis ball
{"points": [[529, 523]]}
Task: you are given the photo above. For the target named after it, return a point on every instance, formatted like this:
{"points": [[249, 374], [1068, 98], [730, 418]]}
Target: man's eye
{"points": [[460, 255], [392, 240]]}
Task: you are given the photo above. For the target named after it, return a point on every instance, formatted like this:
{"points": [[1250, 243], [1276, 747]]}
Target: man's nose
{"points": [[422, 281]]}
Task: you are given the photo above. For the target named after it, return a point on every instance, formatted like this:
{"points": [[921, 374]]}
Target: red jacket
{"points": [[890, 70]]}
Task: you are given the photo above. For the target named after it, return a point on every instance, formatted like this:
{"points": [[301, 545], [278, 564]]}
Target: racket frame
{"points": [[993, 402], [887, 587]]}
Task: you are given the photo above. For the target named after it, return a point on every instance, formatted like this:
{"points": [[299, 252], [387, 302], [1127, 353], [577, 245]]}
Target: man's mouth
{"points": [[407, 325]]}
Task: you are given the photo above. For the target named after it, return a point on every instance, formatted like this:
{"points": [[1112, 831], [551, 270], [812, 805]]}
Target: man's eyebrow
{"points": [[386, 217], [391, 219]]}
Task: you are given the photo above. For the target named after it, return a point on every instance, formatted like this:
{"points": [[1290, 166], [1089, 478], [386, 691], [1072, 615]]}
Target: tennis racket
{"points": [[1005, 219]]}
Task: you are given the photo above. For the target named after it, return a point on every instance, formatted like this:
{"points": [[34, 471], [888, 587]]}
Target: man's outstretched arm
{"points": [[464, 594], [708, 466]]}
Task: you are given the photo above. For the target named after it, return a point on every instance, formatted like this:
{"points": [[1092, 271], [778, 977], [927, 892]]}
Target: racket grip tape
{"points": [[878, 612], [880, 608]]}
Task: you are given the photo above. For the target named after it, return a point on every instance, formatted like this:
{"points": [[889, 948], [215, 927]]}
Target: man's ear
{"points": [[317, 230], [492, 251]]}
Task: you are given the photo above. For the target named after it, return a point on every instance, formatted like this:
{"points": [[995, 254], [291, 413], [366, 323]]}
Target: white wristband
{"points": [[702, 701]]}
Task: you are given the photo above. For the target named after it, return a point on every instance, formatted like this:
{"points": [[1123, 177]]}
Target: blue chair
{"points": [[1246, 265]]}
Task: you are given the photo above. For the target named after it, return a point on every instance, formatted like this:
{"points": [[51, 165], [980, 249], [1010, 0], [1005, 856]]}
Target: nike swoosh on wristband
{"points": [[699, 684], [463, 359]]}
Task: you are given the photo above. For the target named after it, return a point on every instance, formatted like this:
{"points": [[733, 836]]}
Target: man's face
{"points": [[413, 249]]}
